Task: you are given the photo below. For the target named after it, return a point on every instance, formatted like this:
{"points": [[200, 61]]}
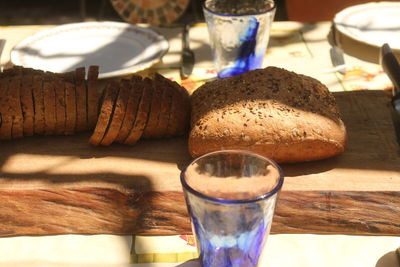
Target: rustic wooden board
{"points": [[61, 184]]}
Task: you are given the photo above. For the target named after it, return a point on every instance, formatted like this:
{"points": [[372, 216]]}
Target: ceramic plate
{"points": [[374, 23], [117, 48], [150, 11]]}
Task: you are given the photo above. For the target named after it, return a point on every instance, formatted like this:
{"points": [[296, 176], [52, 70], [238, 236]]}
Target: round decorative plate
{"points": [[117, 48], [373, 23], [150, 11]]}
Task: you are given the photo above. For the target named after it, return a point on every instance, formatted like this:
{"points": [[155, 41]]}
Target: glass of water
{"points": [[231, 197], [239, 33]]}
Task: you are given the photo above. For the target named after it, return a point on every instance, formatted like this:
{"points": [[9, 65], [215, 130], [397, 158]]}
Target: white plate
{"points": [[117, 48], [374, 23]]}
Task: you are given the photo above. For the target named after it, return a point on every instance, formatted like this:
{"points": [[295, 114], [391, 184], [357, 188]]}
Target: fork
{"points": [[336, 53]]}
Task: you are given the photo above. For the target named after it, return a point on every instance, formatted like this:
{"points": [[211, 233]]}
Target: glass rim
{"points": [[270, 193], [233, 15]]}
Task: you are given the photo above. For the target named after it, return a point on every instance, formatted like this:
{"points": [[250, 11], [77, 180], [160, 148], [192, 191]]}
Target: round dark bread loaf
{"points": [[283, 115]]}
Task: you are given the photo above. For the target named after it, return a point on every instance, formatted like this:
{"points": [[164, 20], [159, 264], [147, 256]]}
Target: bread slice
{"points": [[131, 109], [92, 96], [183, 116], [142, 114], [155, 110], [180, 110], [70, 106], [166, 105], [38, 104], [6, 117], [28, 111], [14, 94], [106, 112], [49, 101], [174, 111], [280, 114], [118, 114], [59, 87], [81, 100]]}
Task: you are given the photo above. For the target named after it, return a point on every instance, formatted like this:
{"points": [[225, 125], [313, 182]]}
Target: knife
{"points": [[187, 56], [336, 53], [391, 67], [2, 44]]}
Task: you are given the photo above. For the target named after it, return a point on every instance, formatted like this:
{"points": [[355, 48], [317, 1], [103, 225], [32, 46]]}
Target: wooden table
{"points": [[136, 190]]}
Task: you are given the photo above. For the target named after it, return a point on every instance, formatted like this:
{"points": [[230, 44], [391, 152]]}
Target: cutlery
{"points": [[2, 44], [187, 56], [392, 68], [336, 53]]}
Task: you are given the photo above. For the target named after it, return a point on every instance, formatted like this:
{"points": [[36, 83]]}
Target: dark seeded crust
{"points": [[180, 110], [172, 120], [81, 98], [166, 105], [142, 115], [131, 109], [92, 96], [38, 104], [6, 118], [27, 104], [106, 112], [70, 108], [49, 100], [280, 114], [59, 87], [118, 114], [183, 118], [15, 107], [155, 109]]}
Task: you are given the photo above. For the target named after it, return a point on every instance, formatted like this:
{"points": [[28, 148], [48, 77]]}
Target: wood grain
{"points": [[136, 190]]}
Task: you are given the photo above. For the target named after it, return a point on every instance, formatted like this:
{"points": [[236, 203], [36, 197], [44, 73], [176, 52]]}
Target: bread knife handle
{"points": [[391, 66]]}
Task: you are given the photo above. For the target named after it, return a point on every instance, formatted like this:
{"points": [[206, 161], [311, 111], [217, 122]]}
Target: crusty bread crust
{"points": [[70, 107], [106, 112], [15, 107], [166, 105], [61, 115], [131, 109], [81, 98], [180, 110], [38, 104], [49, 100], [155, 109], [92, 96], [6, 117], [142, 114], [27, 104], [14, 101], [283, 115], [118, 114]]}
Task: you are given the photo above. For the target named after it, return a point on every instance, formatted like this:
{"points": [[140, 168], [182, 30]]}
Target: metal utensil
{"points": [[2, 44], [187, 56], [392, 68], [336, 53]]}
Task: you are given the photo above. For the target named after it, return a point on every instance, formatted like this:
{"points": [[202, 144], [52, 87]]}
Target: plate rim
{"points": [[338, 20], [163, 45]]}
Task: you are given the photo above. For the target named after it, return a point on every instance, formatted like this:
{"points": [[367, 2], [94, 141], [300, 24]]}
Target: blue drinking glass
{"points": [[238, 39], [231, 197]]}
